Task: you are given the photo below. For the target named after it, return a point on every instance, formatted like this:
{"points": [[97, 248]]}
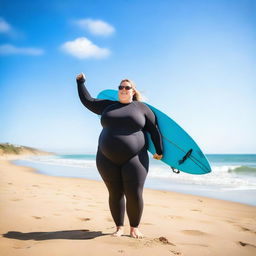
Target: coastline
{"points": [[41, 213], [222, 183]]}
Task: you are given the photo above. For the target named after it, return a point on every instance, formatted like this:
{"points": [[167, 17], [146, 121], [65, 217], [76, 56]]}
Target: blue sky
{"points": [[194, 60]]}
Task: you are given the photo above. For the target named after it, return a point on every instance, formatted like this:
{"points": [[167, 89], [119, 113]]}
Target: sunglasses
{"points": [[121, 87]]}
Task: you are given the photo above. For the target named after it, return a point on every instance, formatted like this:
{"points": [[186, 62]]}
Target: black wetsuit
{"points": [[122, 158]]}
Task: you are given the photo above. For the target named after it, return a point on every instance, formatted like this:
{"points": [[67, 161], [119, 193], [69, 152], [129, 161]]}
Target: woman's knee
{"points": [[133, 191], [115, 189]]}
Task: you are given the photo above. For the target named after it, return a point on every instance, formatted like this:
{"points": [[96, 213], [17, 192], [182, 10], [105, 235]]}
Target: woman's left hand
{"points": [[158, 157]]}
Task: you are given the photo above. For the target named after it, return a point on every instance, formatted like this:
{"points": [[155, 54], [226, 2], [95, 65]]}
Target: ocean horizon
{"points": [[233, 176]]}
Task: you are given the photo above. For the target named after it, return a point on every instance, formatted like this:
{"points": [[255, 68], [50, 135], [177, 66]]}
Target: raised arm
{"points": [[152, 128], [95, 105]]}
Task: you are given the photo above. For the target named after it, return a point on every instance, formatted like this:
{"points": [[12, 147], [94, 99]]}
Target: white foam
{"points": [[82, 163], [220, 175]]}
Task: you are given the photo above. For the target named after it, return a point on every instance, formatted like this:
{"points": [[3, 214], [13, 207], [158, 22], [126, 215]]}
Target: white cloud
{"points": [[96, 27], [83, 48], [4, 26], [7, 29], [8, 49]]}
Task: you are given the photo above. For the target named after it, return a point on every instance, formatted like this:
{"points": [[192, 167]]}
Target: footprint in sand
{"points": [[193, 232], [84, 219], [195, 210], [16, 199], [164, 240], [246, 244], [37, 217], [174, 252], [242, 228], [246, 229]]}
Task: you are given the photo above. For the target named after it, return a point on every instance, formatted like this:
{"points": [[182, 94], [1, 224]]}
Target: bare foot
{"points": [[119, 231], [135, 233]]}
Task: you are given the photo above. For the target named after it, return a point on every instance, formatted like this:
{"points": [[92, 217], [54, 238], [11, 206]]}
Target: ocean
{"points": [[233, 177]]}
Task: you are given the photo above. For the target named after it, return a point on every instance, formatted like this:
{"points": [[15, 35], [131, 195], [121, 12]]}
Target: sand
{"points": [[58, 216]]}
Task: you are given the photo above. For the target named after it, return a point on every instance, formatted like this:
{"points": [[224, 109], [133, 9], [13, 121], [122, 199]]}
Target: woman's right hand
{"points": [[157, 157], [81, 78]]}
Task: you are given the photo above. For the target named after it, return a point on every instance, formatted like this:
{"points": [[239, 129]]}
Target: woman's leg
{"points": [[111, 174], [134, 173]]}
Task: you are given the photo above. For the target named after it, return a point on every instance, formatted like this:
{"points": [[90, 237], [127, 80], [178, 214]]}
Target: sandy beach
{"points": [[58, 216]]}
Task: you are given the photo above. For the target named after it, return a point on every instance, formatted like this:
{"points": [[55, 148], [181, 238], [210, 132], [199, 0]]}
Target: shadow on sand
{"points": [[64, 234]]}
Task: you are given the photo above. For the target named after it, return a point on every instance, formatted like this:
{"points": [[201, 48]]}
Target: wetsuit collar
{"points": [[125, 103]]}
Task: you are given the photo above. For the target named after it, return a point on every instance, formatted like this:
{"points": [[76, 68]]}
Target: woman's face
{"points": [[124, 95]]}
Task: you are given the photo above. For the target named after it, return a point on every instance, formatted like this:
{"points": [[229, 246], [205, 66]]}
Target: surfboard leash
{"points": [[193, 159], [175, 170]]}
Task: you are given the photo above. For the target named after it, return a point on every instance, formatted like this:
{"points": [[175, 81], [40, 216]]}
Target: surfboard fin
{"points": [[175, 170], [186, 156]]}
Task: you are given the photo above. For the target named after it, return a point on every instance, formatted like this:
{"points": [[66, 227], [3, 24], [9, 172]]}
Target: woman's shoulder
{"points": [[143, 106], [139, 103]]}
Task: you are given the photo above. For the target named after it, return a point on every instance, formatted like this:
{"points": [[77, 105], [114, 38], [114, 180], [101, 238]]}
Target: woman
{"points": [[122, 158]]}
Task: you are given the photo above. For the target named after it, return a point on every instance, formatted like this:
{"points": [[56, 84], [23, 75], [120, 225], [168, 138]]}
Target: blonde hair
{"points": [[137, 96]]}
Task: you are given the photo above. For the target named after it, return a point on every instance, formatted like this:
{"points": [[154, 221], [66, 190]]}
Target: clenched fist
{"points": [[80, 78]]}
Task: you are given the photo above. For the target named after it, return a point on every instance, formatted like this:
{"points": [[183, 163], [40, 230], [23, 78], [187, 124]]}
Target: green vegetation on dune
{"points": [[7, 148]]}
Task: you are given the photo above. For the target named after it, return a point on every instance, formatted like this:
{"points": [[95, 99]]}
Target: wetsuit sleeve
{"points": [[152, 128], [95, 105]]}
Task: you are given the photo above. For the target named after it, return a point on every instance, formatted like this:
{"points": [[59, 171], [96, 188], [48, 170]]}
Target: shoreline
{"points": [[41, 213], [244, 196], [11, 159], [36, 171]]}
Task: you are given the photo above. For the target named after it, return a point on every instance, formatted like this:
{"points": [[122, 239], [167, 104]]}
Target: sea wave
{"points": [[60, 161], [228, 176], [243, 170], [220, 176]]}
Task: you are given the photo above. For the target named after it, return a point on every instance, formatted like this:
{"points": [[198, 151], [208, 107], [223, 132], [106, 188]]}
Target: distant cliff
{"points": [[12, 149]]}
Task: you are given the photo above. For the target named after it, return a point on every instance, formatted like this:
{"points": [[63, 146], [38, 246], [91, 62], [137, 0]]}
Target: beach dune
{"points": [[46, 215]]}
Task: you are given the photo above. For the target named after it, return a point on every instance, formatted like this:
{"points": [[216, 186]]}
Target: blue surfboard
{"points": [[180, 151]]}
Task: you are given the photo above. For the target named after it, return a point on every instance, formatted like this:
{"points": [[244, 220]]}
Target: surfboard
{"points": [[180, 151]]}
